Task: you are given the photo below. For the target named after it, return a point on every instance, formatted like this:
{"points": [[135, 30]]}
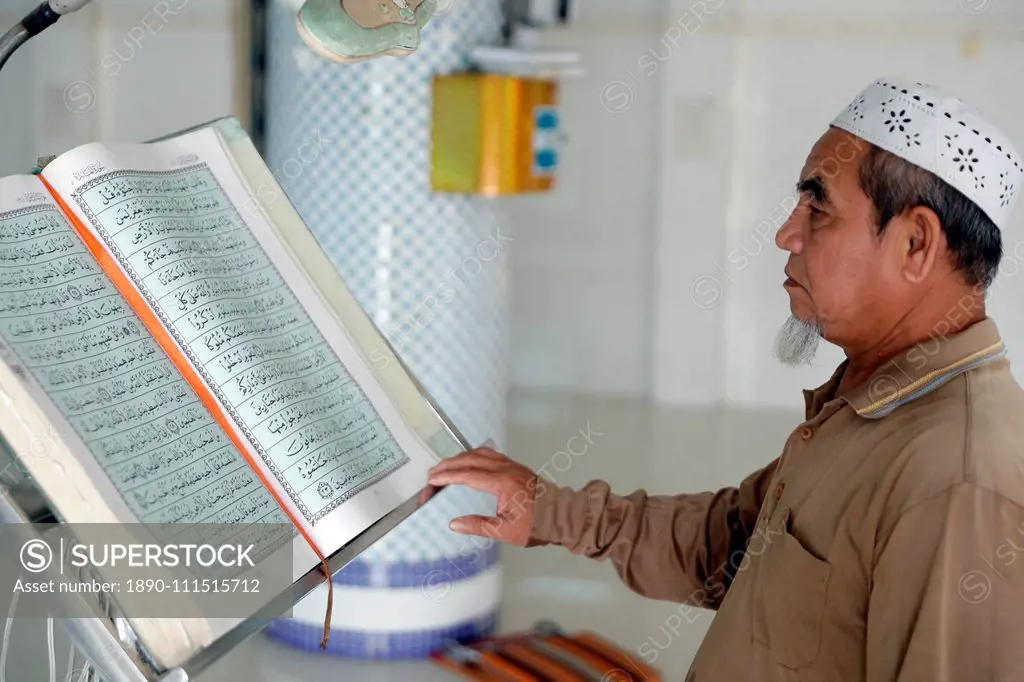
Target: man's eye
{"points": [[808, 201]]}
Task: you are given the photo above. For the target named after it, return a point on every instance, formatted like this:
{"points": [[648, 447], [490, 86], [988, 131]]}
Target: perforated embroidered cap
{"points": [[941, 134]]}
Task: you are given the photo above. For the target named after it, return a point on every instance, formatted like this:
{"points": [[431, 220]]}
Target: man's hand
{"points": [[515, 486]]}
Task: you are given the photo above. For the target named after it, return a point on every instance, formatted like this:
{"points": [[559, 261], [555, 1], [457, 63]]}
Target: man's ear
{"points": [[920, 242]]}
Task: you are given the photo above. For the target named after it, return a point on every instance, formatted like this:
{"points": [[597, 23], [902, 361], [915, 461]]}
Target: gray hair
{"points": [[895, 185]]}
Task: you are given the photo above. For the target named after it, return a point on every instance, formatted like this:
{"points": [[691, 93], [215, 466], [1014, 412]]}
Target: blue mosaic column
{"points": [[430, 270]]}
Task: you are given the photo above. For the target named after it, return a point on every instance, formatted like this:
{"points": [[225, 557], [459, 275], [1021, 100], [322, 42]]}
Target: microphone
{"points": [[34, 23], [47, 14]]}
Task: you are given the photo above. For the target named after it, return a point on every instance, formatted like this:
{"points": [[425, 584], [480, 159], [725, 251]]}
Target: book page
{"points": [[162, 456], [97, 413], [226, 289], [267, 198]]}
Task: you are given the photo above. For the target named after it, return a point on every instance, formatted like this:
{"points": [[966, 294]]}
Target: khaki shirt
{"points": [[881, 545]]}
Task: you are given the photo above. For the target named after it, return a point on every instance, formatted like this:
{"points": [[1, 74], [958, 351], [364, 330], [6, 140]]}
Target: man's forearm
{"points": [[680, 548]]}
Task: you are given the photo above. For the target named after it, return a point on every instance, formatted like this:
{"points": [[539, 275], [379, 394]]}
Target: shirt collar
{"points": [[916, 372]]}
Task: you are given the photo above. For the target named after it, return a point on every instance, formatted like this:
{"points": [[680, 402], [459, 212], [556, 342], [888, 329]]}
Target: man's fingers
{"points": [[484, 526], [485, 481]]}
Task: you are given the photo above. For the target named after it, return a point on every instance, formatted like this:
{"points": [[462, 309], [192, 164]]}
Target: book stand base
{"points": [[111, 645]]}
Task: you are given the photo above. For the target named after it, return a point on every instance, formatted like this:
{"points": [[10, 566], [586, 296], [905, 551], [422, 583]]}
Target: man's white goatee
{"points": [[797, 341]]}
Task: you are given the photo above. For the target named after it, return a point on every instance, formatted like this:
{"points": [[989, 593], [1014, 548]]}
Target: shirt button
{"points": [[806, 433], [779, 489]]}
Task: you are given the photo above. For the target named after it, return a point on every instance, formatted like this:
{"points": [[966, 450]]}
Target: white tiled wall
{"points": [[118, 70], [653, 271], [775, 86], [582, 261]]}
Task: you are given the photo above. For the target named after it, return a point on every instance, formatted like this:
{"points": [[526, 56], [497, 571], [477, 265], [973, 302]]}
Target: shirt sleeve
{"points": [[947, 591], [678, 548]]}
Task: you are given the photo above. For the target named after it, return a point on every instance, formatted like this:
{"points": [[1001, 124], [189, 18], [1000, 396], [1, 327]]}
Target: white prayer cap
{"points": [[941, 134]]}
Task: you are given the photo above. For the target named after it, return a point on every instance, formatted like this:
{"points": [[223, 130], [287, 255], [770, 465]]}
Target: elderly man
{"points": [[882, 543]]}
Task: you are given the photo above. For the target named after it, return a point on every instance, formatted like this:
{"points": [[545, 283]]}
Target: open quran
{"points": [[176, 348]]}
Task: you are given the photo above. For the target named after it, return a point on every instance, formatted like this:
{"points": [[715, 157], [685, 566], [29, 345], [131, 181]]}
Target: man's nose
{"points": [[788, 238]]}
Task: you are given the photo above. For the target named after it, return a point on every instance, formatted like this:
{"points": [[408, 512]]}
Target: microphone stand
{"points": [[34, 23], [11, 41]]}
